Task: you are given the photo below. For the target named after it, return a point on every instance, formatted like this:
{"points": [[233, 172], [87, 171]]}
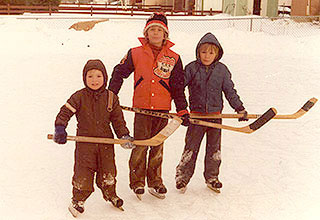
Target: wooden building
{"points": [[305, 7]]}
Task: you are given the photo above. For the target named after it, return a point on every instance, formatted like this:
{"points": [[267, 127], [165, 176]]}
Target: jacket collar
{"points": [[144, 42]]}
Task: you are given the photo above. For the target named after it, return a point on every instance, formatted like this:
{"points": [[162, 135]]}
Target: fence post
{"points": [[8, 7], [49, 8], [251, 21], [210, 11], [131, 11], [91, 10]]}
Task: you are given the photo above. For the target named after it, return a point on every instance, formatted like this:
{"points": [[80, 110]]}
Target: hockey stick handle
{"points": [[259, 122], [96, 140], [304, 109]]}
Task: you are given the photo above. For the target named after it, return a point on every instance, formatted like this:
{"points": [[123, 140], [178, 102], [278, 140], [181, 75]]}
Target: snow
{"points": [[270, 174]]}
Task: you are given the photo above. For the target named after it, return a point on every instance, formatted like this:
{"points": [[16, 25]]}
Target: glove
{"points": [[185, 116], [245, 115], [60, 135], [128, 145]]}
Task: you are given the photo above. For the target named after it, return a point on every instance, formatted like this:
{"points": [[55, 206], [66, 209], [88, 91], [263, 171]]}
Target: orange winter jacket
{"points": [[156, 81]]}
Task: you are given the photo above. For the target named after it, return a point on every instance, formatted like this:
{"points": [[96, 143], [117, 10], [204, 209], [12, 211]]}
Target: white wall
{"points": [[285, 2], [250, 6], [264, 4], [216, 5]]}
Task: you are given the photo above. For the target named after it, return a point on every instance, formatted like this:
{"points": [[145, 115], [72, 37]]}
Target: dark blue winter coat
{"points": [[206, 83]]}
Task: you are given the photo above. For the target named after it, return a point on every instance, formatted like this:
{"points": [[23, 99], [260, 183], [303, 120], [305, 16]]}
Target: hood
{"points": [[209, 38], [95, 64]]}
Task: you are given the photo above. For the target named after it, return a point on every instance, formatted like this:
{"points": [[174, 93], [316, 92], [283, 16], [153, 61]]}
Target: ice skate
{"points": [[214, 184], [76, 208], [139, 191], [117, 202], [158, 191]]}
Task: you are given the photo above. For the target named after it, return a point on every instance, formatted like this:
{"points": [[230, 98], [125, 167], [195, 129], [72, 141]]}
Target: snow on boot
{"points": [[117, 202], [214, 184], [181, 186], [76, 207], [139, 191], [158, 191]]}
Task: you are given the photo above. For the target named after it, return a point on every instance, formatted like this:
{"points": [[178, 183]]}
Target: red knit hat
{"points": [[157, 19]]}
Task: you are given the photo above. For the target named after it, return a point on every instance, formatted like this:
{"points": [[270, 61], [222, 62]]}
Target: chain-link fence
{"points": [[292, 26]]}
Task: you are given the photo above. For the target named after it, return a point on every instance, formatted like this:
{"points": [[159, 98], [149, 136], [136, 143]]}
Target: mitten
{"points": [[60, 134], [128, 145], [245, 115], [185, 116]]}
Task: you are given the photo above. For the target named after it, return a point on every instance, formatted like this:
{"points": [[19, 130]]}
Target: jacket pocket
{"points": [[165, 85], [138, 82]]}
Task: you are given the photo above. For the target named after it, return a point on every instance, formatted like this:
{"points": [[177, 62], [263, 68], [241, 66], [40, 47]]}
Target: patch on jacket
{"points": [[70, 107], [164, 67]]}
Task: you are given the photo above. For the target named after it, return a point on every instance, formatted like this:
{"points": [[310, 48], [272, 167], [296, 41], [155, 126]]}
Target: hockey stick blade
{"points": [[304, 109], [262, 120], [154, 141]]}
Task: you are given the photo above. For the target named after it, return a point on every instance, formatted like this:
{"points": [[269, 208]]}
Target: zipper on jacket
{"points": [[207, 70]]}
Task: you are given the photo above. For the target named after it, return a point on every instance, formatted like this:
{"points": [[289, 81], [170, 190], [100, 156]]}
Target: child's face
{"points": [[94, 79], [207, 54], [156, 35]]}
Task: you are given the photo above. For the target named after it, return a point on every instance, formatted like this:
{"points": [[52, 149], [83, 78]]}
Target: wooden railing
{"points": [[104, 9]]}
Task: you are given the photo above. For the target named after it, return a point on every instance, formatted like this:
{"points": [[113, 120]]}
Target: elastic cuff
{"points": [[59, 128], [241, 108], [182, 112]]}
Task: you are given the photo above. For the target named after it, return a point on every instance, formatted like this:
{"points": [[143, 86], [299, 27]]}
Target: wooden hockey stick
{"points": [[304, 109], [258, 123], [154, 141]]}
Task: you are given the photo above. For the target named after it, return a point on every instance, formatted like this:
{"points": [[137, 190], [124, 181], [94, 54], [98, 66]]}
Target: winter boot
{"points": [[214, 184], [139, 191], [117, 202], [76, 207], [158, 191]]}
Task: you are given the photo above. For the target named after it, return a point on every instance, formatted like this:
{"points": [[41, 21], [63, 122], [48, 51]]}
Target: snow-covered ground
{"points": [[270, 174]]}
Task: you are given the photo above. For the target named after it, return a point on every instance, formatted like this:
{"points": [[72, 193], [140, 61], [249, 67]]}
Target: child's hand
{"points": [[186, 121], [60, 135], [128, 145], [244, 117]]}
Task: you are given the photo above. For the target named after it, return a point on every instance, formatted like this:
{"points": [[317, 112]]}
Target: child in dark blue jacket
{"points": [[207, 79]]}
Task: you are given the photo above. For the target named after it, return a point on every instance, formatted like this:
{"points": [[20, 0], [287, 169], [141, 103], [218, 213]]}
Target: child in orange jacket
{"points": [[158, 78]]}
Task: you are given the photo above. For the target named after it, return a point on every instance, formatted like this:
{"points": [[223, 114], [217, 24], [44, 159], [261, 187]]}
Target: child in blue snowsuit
{"points": [[206, 78]]}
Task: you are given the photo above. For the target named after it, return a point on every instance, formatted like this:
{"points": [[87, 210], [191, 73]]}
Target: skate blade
{"points": [[182, 190], [139, 196], [154, 193], [73, 212], [120, 208], [216, 190]]}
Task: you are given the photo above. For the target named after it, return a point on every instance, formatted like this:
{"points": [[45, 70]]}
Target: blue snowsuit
{"points": [[206, 85]]}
